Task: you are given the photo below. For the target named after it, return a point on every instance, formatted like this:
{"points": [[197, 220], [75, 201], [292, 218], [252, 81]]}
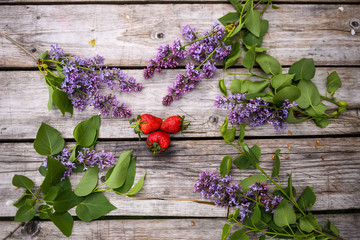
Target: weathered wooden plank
{"points": [[190, 228], [21, 120], [165, 1], [332, 168], [128, 35]]}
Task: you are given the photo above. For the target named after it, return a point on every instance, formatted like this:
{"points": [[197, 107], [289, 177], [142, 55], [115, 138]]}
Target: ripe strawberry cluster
{"points": [[158, 130]]}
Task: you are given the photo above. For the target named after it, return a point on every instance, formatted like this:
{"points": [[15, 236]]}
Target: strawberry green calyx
{"points": [[137, 128]]}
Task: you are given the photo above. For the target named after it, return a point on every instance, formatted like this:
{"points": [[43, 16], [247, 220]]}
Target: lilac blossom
{"points": [[63, 157], [183, 84], [227, 194], [166, 58], [84, 76], [255, 112], [205, 49], [87, 157]]}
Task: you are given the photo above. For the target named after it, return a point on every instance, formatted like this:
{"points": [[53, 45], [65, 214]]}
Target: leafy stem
{"points": [[280, 189]]}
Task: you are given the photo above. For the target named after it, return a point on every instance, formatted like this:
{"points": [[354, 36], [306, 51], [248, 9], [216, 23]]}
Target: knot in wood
{"points": [[103, 179], [214, 119], [160, 35], [31, 228], [354, 23], [33, 50]]}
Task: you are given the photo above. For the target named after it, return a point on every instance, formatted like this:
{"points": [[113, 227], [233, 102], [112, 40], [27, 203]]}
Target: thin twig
{"points": [[19, 45], [13, 231]]}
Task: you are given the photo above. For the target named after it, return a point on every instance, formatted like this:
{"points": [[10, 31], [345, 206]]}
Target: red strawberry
{"points": [[158, 141], [146, 124], [174, 124]]}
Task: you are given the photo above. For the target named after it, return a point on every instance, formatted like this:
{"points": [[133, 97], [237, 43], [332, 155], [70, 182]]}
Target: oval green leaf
{"points": [[247, 182], [48, 141], [225, 165], [290, 92], [303, 69], [137, 187], [22, 181], [85, 133], [88, 182], [284, 214], [269, 64], [309, 94], [118, 174]]}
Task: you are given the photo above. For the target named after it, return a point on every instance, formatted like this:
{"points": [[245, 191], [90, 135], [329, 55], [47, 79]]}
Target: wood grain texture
{"points": [[128, 35], [164, 1], [21, 120], [154, 229], [168, 188]]}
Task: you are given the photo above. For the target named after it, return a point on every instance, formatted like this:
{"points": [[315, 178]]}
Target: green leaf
{"points": [[242, 132], [42, 57], [292, 119], [322, 122], [264, 28], [240, 86], [308, 223], [257, 86], [256, 215], [233, 56], [281, 80], [88, 182], [53, 175], [225, 231], [333, 82], [85, 133], [62, 101], [236, 30], [50, 102], [284, 214], [290, 187], [317, 110], [137, 187], [290, 92], [309, 94], [22, 200], [25, 213], [94, 206], [130, 177], [23, 182], [269, 64], [118, 175], [42, 170], [228, 134], [252, 154], [263, 237], [63, 221], [250, 39], [239, 235], [51, 194], [253, 22], [303, 69], [249, 59], [242, 162], [276, 167], [48, 140], [222, 87], [229, 18], [54, 82], [225, 165], [43, 215], [59, 71], [247, 182], [66, 200], [333, 229]]}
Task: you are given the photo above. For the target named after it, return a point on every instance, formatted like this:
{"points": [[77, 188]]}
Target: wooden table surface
{"points": [[127, 34]]}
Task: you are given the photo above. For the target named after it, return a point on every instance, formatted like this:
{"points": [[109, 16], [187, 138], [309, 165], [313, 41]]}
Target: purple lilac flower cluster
{"points": [[206, 49], [255, 112], [88, 157], [227, 194], [83, 77]]}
